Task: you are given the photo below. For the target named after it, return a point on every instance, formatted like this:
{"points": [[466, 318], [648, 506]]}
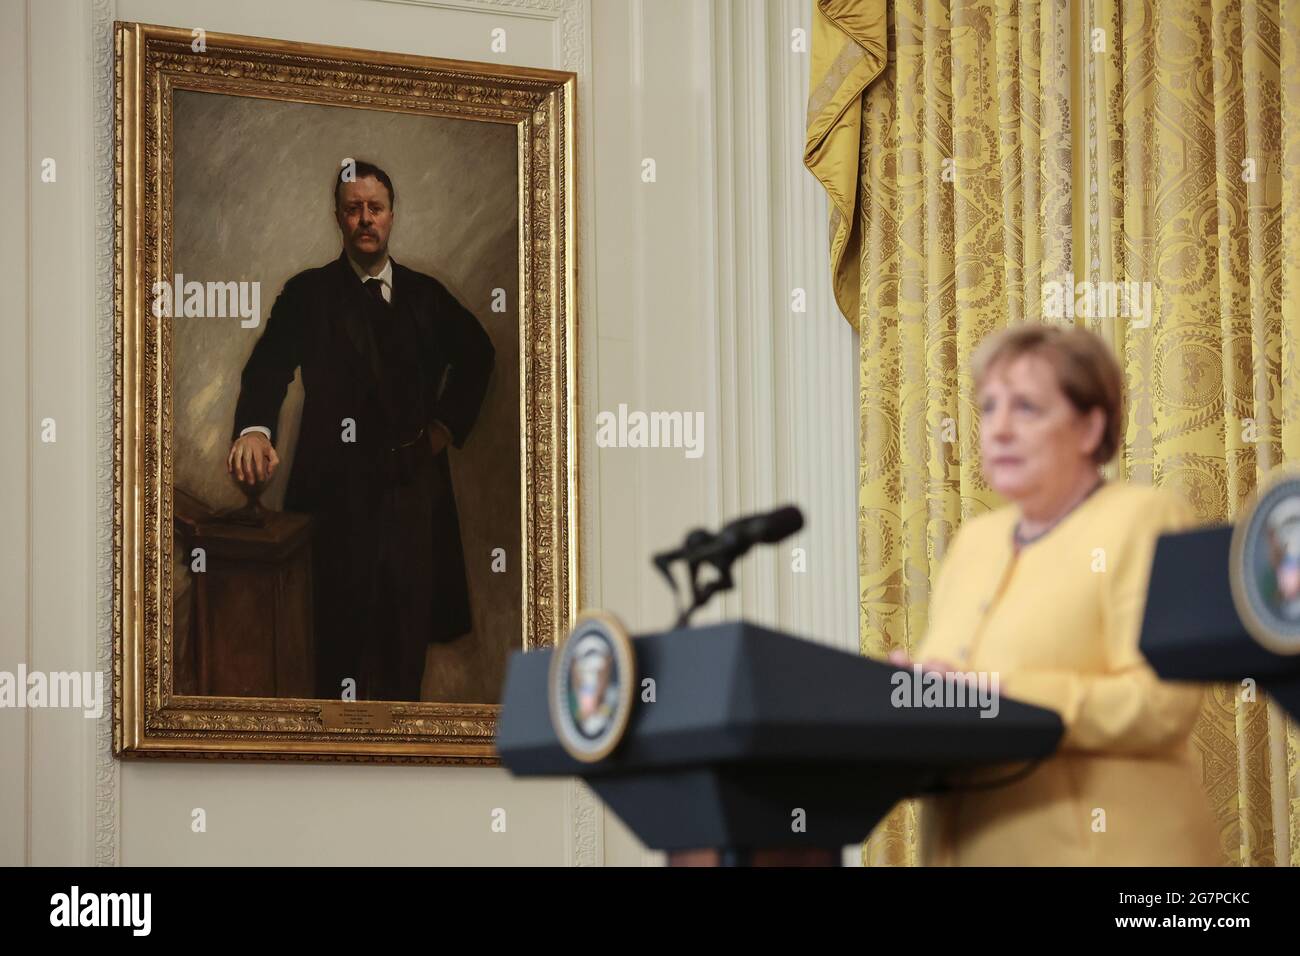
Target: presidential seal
{"points": [[592, 680], [1265, 564]]}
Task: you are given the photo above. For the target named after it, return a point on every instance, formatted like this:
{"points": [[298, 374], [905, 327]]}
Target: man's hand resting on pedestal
{"points": [[252, 459]]}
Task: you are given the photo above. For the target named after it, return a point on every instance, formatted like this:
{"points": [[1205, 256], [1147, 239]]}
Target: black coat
{"points": [[434, 367]]}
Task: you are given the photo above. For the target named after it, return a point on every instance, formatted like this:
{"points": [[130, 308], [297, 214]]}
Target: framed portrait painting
{"points": [[345, 486]]}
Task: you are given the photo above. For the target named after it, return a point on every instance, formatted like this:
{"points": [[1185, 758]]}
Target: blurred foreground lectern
{"points": [[1194, 628], [759, 747]]}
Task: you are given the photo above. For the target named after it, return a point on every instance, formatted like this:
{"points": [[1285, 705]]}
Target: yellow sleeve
{"points": [[1128, 710], [949, 570]]}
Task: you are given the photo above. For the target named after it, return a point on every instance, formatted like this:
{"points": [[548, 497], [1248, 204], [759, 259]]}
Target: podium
{"points": [[1191, 629], [761, 746]]}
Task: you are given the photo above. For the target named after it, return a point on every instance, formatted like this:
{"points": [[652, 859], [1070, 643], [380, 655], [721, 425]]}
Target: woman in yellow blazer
{"points": [[1048, 594]]}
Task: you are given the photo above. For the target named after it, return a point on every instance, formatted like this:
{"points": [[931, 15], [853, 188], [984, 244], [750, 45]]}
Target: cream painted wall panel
{"points": [[61, 366], [338, 816], [17, 429], [674, 320], [651, 295], [611, 261], [652, 307]]}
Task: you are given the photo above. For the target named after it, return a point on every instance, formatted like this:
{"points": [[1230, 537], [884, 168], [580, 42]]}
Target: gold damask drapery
{"points": [[974, 150]]}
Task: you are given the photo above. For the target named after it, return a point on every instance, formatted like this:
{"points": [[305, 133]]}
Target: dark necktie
{"points": [[375, 286]]}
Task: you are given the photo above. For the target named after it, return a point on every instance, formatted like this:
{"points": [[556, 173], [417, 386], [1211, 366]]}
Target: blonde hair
{"points": [[1086, 371]]}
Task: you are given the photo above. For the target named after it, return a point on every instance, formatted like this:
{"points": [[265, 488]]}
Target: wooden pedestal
{"points": [[252, 621]]}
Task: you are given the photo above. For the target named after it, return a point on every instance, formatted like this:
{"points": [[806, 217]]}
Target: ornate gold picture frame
{"points": [[156, 712]]}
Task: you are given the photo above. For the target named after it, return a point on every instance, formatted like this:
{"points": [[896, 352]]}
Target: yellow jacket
{"points": [[1059, 625]]}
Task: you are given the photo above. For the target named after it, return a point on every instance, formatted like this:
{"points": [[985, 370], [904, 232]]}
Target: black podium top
{"points": [[740, 692], [748, 723], [1191, 629]]}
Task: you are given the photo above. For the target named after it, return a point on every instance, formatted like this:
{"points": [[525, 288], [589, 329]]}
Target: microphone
{"points": [[721, 550], [742, 534]]}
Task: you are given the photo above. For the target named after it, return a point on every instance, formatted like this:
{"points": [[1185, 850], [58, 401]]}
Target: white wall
{"points": [[684, 287]]}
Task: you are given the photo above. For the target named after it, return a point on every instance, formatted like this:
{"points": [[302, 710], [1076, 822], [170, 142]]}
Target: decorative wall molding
{"points": [[745, 325], [571, 18], [107, 817], [586, 847], [787, 381], [818, 373]]}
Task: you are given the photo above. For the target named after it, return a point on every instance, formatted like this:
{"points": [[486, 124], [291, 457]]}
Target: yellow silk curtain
{"points": [[974, 150]]}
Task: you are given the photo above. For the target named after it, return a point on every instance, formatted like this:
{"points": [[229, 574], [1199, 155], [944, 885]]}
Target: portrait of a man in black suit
{"points": [[394, 371]]}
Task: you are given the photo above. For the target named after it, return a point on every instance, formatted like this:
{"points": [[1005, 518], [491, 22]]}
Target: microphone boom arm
{"points": [[720, 552]]}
